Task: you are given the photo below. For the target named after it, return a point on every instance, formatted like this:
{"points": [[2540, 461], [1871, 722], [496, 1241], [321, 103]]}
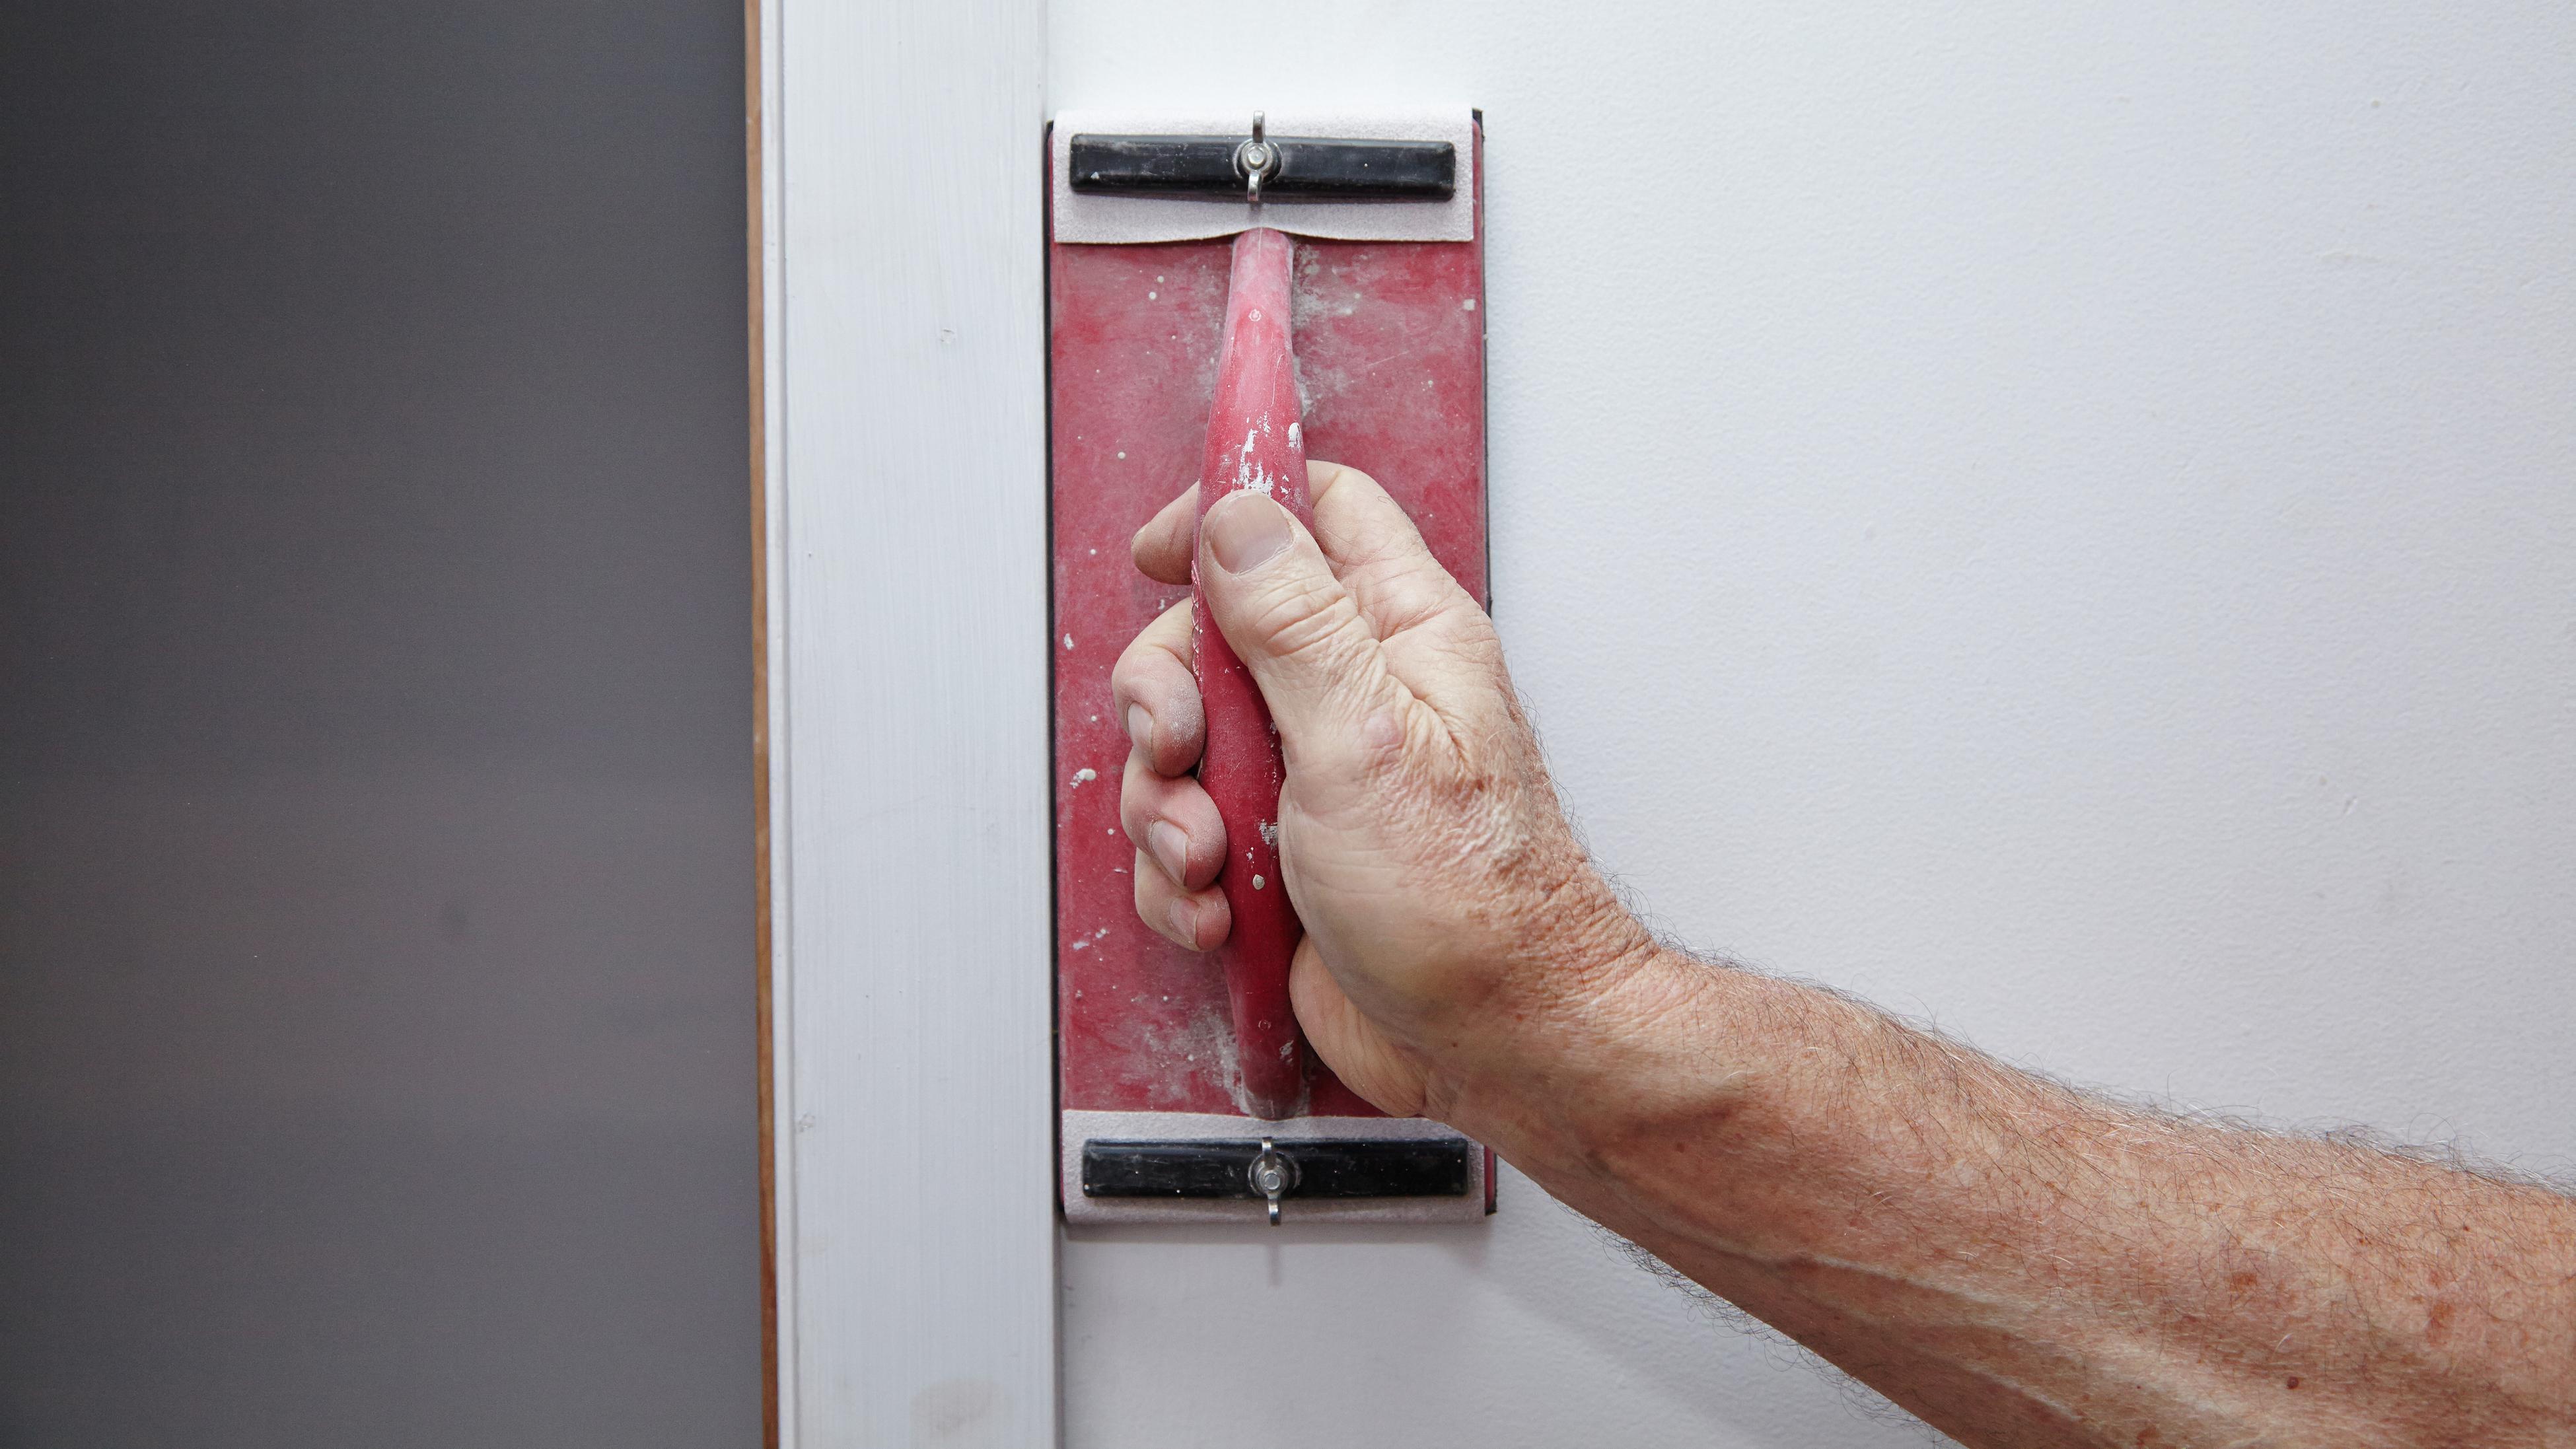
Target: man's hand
{"points": [[1442, 892], [2016, 1263]]}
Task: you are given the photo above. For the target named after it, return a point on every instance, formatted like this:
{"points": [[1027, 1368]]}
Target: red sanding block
{"points": [[1227, 299]]}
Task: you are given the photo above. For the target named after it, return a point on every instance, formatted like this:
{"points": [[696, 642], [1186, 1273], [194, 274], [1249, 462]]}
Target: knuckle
{"points": [[1336, 475], [1155, 661], [1137, 663], [1303, 618], [1126, 679]]}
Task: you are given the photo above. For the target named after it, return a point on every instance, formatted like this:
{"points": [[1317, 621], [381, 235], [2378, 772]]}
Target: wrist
{"points": [[1599, 1035]]}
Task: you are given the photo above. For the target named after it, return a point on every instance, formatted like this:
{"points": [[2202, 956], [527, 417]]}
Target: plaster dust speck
{"points": [[2019, 509]]}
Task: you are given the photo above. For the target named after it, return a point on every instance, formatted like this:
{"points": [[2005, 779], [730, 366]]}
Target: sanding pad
{"points": [[1389, 339]]}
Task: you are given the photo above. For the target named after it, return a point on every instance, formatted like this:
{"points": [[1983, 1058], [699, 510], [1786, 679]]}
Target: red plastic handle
{"points": [[1254, 443]]}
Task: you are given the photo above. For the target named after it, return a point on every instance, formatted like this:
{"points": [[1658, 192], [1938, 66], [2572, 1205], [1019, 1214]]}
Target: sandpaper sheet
{"points": [[1390, 344]]}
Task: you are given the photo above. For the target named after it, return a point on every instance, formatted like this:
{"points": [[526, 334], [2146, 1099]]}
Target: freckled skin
{"points": [[2017, 1263]]}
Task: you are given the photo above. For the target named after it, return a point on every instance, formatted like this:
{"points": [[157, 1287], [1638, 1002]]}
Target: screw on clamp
{"points": [[1256, 161], [1271, 1175]]}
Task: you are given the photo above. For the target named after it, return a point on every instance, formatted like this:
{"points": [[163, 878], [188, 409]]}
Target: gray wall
{"points": [[376, 1035]]}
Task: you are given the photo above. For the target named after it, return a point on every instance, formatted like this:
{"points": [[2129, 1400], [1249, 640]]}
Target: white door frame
{"points": [[900, 402]]}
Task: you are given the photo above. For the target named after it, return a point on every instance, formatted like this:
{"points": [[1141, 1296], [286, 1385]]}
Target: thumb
{"points": [[1294, 625]]}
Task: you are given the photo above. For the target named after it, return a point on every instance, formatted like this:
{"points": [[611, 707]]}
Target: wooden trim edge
{"points": [[763, 954]]}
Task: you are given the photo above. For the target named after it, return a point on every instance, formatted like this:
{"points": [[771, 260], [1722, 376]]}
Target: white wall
{"points": [[2062, 523]]}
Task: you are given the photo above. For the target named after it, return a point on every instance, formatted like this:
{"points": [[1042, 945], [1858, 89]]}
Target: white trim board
{"points": [[905, 372]]}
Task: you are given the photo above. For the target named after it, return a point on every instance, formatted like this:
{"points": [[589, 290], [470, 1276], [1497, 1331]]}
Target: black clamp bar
{"points": [[1298, 168], [1277, 1170]]}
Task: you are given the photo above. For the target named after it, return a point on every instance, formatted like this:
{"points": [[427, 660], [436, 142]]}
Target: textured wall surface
{"points": [[376, 979], [2062, 523]]}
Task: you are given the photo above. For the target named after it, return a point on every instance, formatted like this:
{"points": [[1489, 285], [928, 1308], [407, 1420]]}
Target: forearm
{"points": [[2019, 1264], [2014, 1262]]}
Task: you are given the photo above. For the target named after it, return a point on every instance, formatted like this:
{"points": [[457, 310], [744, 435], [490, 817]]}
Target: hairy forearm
{"points": [[2020, 1264]]}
